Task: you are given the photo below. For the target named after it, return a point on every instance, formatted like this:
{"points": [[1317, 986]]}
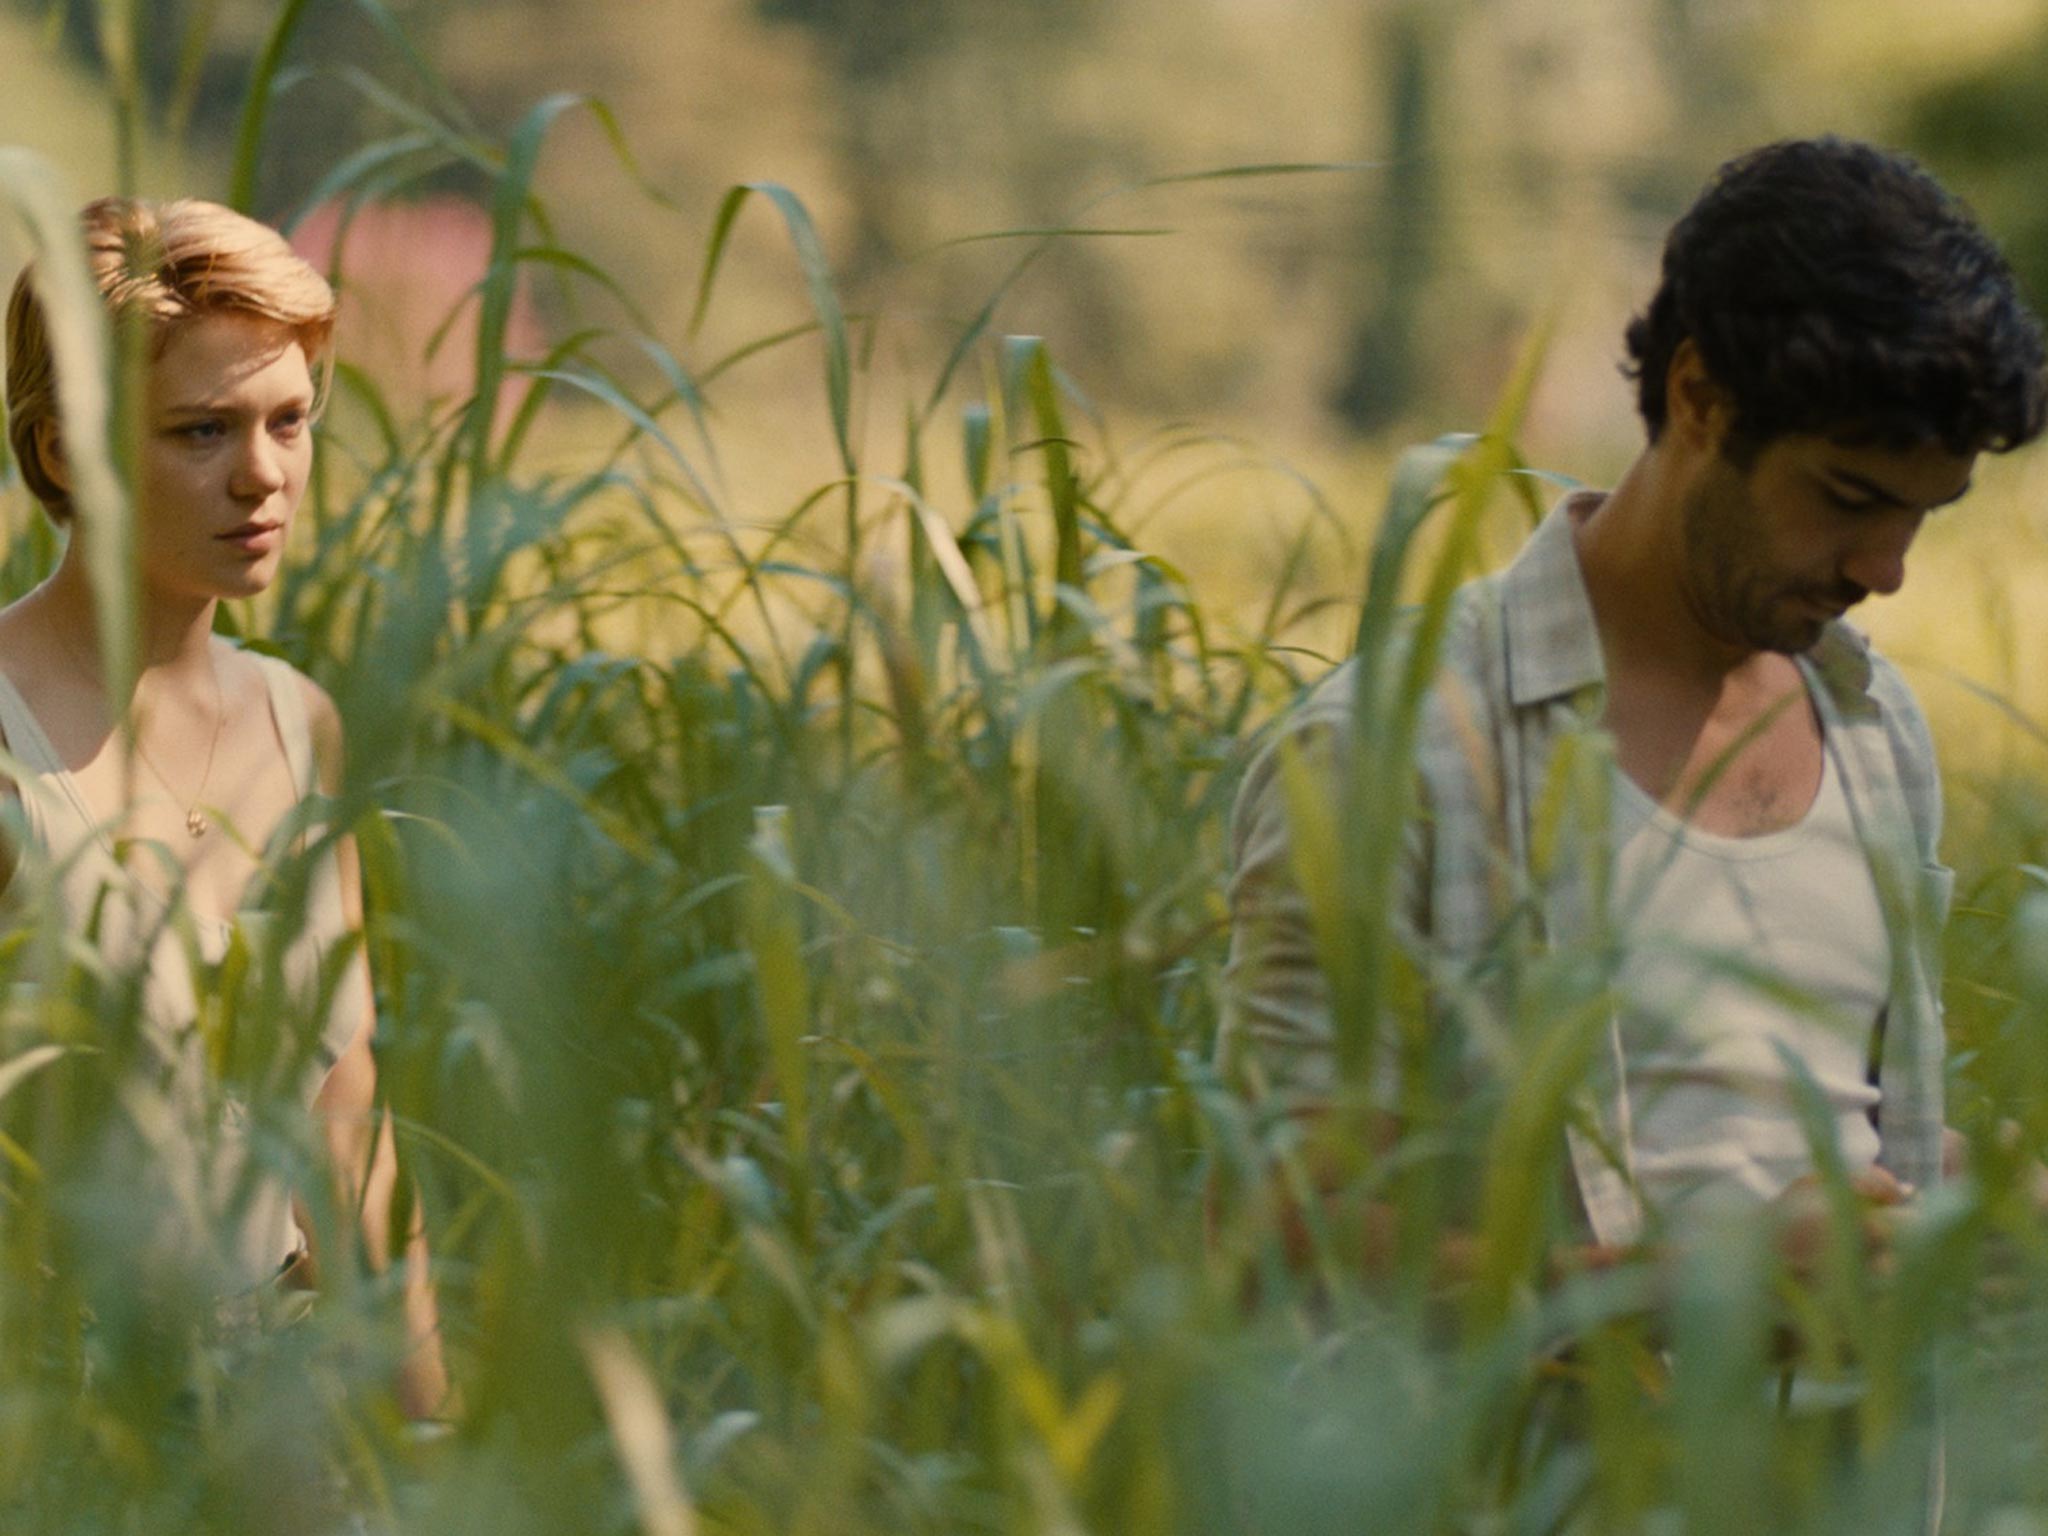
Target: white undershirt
{"points": [[1738, 947]]}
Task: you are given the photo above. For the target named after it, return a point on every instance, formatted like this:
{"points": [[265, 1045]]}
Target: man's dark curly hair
{"points": [[1835, 288]]}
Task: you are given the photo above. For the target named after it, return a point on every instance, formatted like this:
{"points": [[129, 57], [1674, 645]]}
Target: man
{"points": [[1833, 344]]}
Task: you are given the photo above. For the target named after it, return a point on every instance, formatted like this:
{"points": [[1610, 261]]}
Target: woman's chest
{"points": [[197, 827]]}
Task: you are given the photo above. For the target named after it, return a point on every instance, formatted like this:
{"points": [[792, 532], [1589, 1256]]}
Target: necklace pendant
{"points": [[195, 823]]}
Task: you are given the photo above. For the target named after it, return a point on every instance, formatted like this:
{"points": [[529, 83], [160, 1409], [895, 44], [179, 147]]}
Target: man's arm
{"points": [[1276, 1010], [1278, 1035], [1278, 1038]]}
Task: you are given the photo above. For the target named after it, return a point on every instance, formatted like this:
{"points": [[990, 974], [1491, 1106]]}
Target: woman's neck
{"points": [[173, 633]]}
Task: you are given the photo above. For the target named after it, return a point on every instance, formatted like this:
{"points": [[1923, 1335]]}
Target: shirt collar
{"points": [[1553, 646], [1841, 658]]}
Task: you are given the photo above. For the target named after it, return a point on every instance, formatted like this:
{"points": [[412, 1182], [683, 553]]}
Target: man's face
{"points": [[1807, 531]]}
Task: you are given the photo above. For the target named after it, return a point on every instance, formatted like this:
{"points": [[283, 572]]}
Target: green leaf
{"points": [[88, 401], [256, 101], [810, 253]]}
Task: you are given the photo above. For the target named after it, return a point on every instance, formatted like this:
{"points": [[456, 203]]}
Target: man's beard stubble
{"points": [[1733, 593]]}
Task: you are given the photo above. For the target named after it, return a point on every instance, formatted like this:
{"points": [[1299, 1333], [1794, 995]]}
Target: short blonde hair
{"points": [[161, 263]]}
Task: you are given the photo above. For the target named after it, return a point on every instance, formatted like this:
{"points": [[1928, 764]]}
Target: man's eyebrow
{"points": [[1879, 492]]}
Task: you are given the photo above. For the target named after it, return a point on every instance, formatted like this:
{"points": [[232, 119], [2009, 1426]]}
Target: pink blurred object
{"points": [[404, 268]]}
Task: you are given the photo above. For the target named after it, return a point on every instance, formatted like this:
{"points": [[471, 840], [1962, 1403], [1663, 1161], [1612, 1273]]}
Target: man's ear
{"points": [[1696, 407], [49, 448]]}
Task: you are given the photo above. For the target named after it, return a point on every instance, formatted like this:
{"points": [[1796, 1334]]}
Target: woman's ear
{"points": [[49, 448]]}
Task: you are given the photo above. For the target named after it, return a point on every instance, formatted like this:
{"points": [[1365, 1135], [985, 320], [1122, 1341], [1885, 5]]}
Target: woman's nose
{"points": [[259, 468]]}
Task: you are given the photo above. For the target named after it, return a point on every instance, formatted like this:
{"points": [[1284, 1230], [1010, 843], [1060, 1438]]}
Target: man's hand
{"points": [[1804, 1218]]}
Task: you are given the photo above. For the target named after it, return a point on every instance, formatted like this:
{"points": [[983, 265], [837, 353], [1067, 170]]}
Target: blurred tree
{"points": [[1714, 67], [884, 59], [872, 47], [1398, 243], [875, 39], [1986, 134], [194, 59]]}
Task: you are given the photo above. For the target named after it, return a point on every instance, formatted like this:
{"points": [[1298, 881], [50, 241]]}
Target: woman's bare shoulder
{"points": [[323, 720], [25, 637], [34, 663], [20, 657]]}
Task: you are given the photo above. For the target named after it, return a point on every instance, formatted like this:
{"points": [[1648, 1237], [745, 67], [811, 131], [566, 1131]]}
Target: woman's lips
{"points": [[258, 536]]}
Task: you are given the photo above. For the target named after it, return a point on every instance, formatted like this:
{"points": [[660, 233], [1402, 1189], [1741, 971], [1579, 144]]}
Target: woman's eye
{"points": [[289, 424], [200, 431], [1846, 502]]}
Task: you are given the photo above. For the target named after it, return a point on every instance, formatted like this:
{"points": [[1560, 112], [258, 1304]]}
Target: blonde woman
{"points": [[160, 850]]}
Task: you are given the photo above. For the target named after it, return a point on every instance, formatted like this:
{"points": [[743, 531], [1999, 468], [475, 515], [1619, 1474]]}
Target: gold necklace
{"points": [[196, 823]]}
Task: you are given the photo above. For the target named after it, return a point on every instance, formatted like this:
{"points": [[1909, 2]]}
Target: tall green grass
{"points": [[800, 1036]]}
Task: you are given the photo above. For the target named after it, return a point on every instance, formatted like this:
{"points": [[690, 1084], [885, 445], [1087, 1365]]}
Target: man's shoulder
{"points": [[1462, 649], [1323, 723]]}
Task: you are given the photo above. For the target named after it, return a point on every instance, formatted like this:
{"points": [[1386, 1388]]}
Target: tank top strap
{"points": [[294, 726], [25, 738], [57, 817]]}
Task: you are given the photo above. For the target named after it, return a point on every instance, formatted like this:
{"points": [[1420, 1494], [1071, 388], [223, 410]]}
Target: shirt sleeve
{"points": [[1277, 1023], [1913, 755], [1276, 1013]]}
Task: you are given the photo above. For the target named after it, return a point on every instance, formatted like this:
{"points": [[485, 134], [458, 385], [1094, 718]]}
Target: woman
{"points": [[163, 847]]}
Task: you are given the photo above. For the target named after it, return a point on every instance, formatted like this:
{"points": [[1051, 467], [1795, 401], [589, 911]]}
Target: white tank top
{"points": [[199, 1128], [1745, 954]]}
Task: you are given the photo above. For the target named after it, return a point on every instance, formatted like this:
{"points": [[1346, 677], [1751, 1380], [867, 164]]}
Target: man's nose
{"points": [[1878, 563]]}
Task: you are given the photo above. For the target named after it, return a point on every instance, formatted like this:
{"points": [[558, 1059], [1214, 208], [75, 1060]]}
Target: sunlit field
{"points": [[794, 829]]}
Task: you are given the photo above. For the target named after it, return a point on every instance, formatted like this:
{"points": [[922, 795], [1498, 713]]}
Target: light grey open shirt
{"points": [[1521, 676]]}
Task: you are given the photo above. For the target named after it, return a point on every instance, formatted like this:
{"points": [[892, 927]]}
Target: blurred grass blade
{"points": [[775, 934], [17, 1070], [1029, 381], [191, 67], [508, 209], [640, 1432], [256, 101], [446, 101], [119, 27], [984, 318], [86, 407], [360, 167], [810, 254]]}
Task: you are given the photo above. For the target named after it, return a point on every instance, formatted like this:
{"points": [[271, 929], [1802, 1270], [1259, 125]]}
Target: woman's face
{"points": [[227, 446]]}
